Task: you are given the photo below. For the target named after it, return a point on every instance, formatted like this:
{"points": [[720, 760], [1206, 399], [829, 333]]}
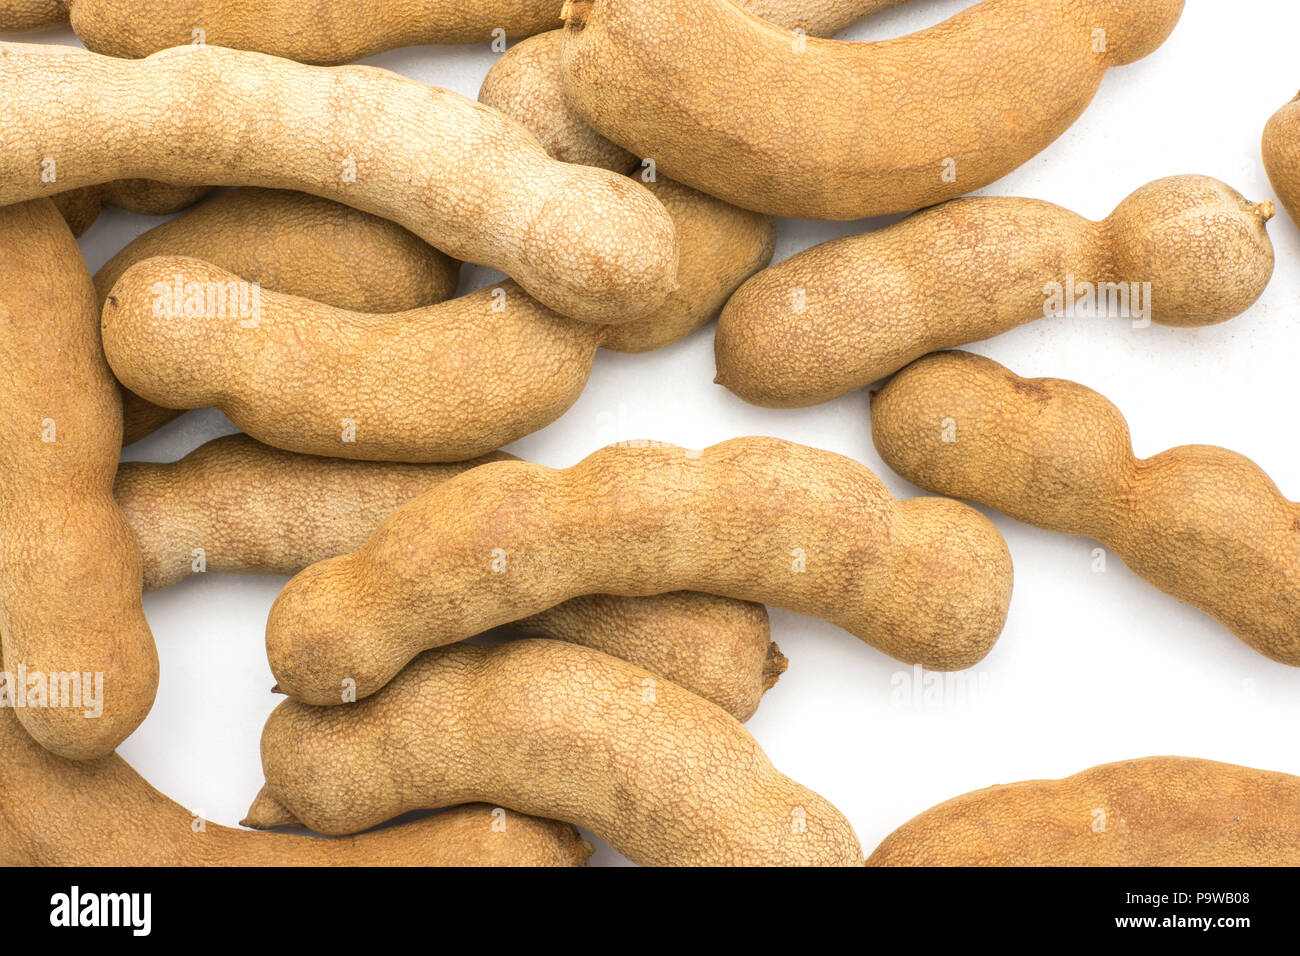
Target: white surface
{"points": [[1091, 668]]}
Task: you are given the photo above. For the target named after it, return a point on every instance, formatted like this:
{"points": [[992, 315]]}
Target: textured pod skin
{"points": [[667, 778], [29, 16], [1281, 149], [851, 311], [57, 812], [1201, 523], [256, 509], [144, 197], [809, 128], [69, 562], [463, 177], [297, 244], [443, 383], [310, 31], [757, 519], [527, 81], [1156, 811]]}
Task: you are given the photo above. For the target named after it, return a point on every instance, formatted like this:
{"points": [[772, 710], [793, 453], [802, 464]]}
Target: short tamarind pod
{"points": [[1154, 811], [1281, 150], [58, 812], [446, 382], [233, 505], [1203, 524], [1182, 251], [297, 244], [665, 777], [465, 178], [828, 129], [308, 31], [144, 197], [31, 16], [757, 519], [84, 667]]}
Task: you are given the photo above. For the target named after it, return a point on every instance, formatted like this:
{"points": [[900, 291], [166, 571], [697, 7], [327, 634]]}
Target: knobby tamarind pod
{"points": [[1182, 251], [446, 382], [465, 178], [1281, 149], [1155, 811], [81, 207], [59, 812], [71, 623], [297, 244], [30, 16], [309, 31], [808, 127], [233, 505], [666, 777], [1201, 523], [757, 519]]}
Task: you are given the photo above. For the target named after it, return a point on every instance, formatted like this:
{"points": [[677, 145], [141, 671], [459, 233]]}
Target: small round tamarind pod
{"points": [[83, 665], [1203, 524], [1281, 150], [31, 16], [304, 30], [1153, 811], [461, 176], [665, 777], [1182, 251], [144, 197], [58, 812], [297, 244], [446, 382], [233, 505], [926, 581], [810, 128]]}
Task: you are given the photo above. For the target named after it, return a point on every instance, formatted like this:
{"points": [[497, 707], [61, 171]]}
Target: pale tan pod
{"points": [[70, 578], [443, 383], [1182, 251], [1155, 811], [233, 505], [664, 776], [809, 128], [1281, 149], [463, 177], [30, 16], [294, 243], [309, 31], [1201, 523], [58, 812], [926, 581]]}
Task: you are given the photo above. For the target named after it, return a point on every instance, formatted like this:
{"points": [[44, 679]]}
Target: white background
{"points": [[1091, 668]]}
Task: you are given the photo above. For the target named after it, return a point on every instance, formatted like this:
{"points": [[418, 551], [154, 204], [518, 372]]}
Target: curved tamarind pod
{"points": [[809, 128], [57, 812], [297, 244], [1201, 523], [443, 383], [1182, 251], [144, 197], [666, 777], [459, 175], [1281, 150], [233, 505], [1155, 811], [84, 665], [757, 519], [308, 31]]}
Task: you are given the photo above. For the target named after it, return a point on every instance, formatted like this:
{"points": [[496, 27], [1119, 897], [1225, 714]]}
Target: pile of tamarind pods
{"points": [[623, 167]]}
